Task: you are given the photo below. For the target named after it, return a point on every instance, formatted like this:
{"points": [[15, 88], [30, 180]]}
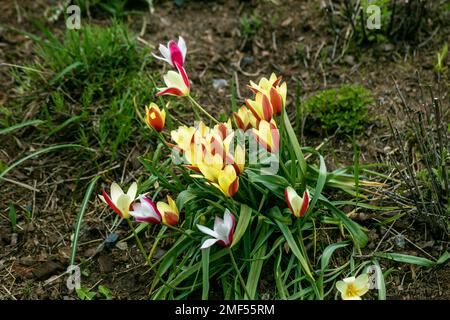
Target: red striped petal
{"points": [[111, 204], [305, 203], [183, 74], [170, 91], [175, 53]]}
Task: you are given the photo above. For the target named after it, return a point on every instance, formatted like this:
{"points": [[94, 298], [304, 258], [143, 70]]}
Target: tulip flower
{"points": [[177, 83], [260, 107], [297, 204], [239, 159], [242, 118], [173, 53], [119, 201], [169, 211], [146, 211], [155, 117], [222, 233], [272, 89], [267, 135], [228, 181], [353, 288]]}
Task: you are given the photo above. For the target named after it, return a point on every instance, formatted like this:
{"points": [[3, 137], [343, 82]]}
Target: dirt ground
{"points": [[33, 260]]}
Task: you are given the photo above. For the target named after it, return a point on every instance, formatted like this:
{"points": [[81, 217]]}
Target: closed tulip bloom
{"points": [[177, 83], [146, 211], [169, 211], [268, 135], [353, 288], [173, 53], [223, 231], [155, 117], [119, 201], [260, 107], [228, 181], [242, 118], [296, 204]]}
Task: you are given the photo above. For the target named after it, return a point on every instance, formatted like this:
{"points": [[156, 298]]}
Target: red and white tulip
{"points": [[298, 205], [177, 83], [222, 233], [173, 53], [146, 211], [119, 201]]}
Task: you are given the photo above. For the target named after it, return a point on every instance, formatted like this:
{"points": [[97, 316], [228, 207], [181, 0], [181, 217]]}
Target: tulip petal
{"points": [[116, 192], [169, 91], [207, 231], [182, 46], [208, 243], [111, 204], [132, 190]]}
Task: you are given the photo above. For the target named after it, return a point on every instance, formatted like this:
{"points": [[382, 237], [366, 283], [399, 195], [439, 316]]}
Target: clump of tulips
{"points": [[231, 217]]}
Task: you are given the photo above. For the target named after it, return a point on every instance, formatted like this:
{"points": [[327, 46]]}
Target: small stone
{"points": [[122, 246], [247, 60], [387, 47], [349, 59], [219, 84], [399, 241], [111, 240]]}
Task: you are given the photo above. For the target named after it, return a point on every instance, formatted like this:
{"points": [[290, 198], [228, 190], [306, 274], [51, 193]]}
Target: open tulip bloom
{"points": [[222, 233], [119, 201], [177, 83], [353, 288], [173, 53]]}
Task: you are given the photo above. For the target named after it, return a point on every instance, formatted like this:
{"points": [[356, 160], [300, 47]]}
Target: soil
{"points": [[33, 260]]}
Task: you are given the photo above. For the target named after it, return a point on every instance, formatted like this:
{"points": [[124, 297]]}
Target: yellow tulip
{"points": [[169, 211], [353, 288]]}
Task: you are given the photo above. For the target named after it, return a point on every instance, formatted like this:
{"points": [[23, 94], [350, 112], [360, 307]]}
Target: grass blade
{"points": [[84, 205], [20, 126], [34, 154]]}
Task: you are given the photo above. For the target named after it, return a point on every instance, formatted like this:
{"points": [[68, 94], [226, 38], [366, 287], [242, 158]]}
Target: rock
{"points": [[247, 60], [349, 59], [122, 246], [219, 84], [106, 263], [46, 269], [387, 47]]}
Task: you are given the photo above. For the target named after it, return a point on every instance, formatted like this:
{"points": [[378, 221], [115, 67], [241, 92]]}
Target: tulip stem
{"points": [[139, 243], [196, 104], [239, 273]]}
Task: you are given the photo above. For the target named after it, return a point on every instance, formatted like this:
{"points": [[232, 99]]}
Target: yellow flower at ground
{"points": [[353, 288]]}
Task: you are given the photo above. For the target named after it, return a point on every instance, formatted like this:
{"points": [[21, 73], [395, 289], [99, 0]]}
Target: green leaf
{"points": [[405, 258], [105, 292], [293, 245], [359, 237], [380, 281], [84, 293], [321, 180], [295, 144], [80, 216], [329, 250], [256, 266], [205, 268], [242, 224], [274, 183], [442, 259]]}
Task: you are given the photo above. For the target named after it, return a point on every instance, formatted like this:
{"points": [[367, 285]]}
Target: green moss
{"points": [[344, 108]]}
